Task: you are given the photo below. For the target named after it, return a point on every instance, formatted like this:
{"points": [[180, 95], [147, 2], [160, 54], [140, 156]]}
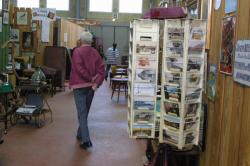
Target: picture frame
{"points": [[228, 30], [22, 18], [15, 35], [6, 4], [145, 75], [27, 41], [5, 17]]}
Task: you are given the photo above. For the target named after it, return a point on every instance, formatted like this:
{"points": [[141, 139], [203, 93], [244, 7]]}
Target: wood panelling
{"points": [[73, 33], [228, 133]]}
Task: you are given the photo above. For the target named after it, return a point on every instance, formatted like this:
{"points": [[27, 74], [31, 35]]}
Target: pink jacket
{"points": [[87, 68]]}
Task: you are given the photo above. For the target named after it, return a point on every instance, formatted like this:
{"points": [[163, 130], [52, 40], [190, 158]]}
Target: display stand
{"points": [[182, 82], [142, 84]]}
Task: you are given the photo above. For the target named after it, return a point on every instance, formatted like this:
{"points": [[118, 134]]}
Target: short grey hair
{"points": [[86, 37]]}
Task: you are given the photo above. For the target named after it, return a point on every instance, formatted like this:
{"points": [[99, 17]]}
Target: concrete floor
{"points": [[55, 144]]}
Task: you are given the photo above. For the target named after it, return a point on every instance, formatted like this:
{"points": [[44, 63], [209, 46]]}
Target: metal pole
{"points": [[78, 6]]}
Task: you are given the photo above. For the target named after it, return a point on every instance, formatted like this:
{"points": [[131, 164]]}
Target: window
{"points": [[130, 6], [58, 5], [28, 3], [100, 5]]}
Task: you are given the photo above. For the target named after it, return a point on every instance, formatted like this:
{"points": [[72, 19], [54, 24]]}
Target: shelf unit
{"points": [[182, 81], [143, 71]]}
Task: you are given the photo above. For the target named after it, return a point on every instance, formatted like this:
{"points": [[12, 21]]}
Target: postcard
{"points": [[172, 122], [172, 109], [174, 64], [175, 49], [191, 124], [144, 105], [191, 109], [143, 117], [142, 130], [194, 80], [194, 64], [197, 33], [196, 47], [144, 89], [142, 133], [172, 93], [193, 94], [175, 33], [189, 137], [172, 137], [145, 75], [146, 48], [146, 62], [173, 79]]}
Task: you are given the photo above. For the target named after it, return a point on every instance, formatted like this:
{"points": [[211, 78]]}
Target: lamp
{"points": [[114, 16]]}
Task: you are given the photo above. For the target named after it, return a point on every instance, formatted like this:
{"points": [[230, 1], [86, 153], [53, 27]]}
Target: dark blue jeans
{"points": [[83, 100]]}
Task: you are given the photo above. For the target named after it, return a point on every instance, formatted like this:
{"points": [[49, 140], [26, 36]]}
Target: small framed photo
{"points": [[14, 35], [27, 41], [22, 18], [5, 17], [5, 5]]}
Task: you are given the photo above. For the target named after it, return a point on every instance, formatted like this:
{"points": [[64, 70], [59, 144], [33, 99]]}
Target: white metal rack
{"points": [[143, 71], [182, 81]]}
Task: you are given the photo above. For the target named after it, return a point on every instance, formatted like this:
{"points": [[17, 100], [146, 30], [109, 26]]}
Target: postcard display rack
{"points": [[182, 82], [143, 71]]}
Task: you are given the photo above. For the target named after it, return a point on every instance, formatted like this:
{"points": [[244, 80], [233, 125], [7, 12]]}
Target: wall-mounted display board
{"points": [[242, 62], [143, 71], [182, 81]]}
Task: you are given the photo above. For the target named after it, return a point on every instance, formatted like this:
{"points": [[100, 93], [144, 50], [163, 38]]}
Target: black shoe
{"points": [[86, 145], [78, 138]]}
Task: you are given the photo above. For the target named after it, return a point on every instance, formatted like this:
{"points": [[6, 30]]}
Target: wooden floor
{"points": [[55, 144]]}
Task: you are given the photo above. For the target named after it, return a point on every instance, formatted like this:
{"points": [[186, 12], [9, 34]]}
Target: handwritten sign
{"points": [[242, 62]]}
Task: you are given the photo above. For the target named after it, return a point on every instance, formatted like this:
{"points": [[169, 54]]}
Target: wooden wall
{"points": [[228, 134], [73, 33]]}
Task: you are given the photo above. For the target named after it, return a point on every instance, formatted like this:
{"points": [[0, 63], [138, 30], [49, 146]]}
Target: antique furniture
{"points": [[35, 95]]}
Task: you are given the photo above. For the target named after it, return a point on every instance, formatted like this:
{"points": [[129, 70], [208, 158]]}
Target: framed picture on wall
{"points": [[22, 18], [27, 41], [14, 35], [194, 9], [6, 5], [5, 17], [227, 44]]}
